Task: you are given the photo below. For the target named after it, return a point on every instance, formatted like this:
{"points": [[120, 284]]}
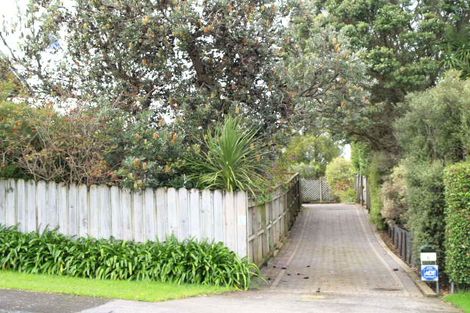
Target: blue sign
{"points": [[429, 273]]}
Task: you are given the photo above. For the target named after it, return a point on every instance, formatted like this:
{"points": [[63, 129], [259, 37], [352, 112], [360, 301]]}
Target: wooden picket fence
{"points": [[269, 222], [152, 214]]}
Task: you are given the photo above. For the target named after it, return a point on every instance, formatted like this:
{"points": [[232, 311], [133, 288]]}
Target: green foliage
{"points": [[149, 153], [360, 157], [231, 158], [12, 127], [394, 195], [10, 85], [461, 300], [309, 155], [425, 198], [457, 217], [42, 144], [167, 57], [432, 133], [376, 171], [340, 176], [436, 123], [457, 50], [90, 146], [170, 261], [402, 44], [324, 77]]}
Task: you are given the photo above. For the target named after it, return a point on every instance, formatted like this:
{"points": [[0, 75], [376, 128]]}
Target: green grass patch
{"points": [[115, 289], [460, 300]]}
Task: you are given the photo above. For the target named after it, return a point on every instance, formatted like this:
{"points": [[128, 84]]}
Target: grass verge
{"points": [[460, 300], [115, 289]]}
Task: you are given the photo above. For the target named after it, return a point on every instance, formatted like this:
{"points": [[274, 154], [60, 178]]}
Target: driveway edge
{"points": [[422, 286]]}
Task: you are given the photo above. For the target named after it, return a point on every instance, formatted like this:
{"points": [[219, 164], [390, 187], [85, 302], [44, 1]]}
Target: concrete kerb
{"points": [[422, 286]]}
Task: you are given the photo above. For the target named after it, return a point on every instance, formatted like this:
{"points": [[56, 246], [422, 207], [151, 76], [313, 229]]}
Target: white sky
{"points": [[9, 8], [346, 151], [8, 14]]}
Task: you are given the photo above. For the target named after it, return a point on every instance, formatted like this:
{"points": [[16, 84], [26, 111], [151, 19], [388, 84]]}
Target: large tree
{"points": [[195, 61], [403, 44], [180, 58], [324, 76]]}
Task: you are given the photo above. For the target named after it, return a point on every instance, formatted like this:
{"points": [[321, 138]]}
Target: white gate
{"points": [[316, 190]]}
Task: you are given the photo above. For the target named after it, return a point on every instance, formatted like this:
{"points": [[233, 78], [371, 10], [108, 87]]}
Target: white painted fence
{"points": [[316, 190], [102, 212]]}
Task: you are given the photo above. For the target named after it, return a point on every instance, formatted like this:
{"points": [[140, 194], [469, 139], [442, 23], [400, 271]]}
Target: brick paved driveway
{"points": [[333, 249]]}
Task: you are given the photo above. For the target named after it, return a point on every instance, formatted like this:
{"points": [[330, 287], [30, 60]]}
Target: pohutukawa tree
{"points": [[194, 60], [179, 57]]}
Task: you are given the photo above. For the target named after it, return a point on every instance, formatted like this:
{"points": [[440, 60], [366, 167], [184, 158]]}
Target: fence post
{"points": [[321, 189]]}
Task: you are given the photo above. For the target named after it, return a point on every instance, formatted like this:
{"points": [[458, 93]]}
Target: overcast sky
{"points": [[8, 14], [9, 8]]}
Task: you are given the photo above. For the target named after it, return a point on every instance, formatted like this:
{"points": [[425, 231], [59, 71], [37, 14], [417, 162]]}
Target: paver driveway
{"points": [[333, 249], [332, 262]]}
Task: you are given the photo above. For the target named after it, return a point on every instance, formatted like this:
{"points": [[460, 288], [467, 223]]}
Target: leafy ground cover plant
{"points": [[187, 261]]}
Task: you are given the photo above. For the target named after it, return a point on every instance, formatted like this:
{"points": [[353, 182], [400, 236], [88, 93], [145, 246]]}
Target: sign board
{"points": [[428, 256], [429, 273]]}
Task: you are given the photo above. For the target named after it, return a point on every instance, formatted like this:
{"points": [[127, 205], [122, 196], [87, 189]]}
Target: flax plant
{"points": [[232, 158]]}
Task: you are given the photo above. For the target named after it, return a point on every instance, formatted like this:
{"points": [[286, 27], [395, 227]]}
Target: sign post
{"points": [[429, 267]]}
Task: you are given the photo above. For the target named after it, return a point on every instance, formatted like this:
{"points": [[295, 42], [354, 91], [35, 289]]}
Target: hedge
{"points": [[457, 216], [426, 203], [186, 261]]}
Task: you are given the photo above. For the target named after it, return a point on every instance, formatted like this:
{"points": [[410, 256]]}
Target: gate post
{"points": [[321, 189]]}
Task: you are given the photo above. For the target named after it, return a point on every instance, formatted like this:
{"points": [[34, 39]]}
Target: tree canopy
{"points": [[404, 44]]}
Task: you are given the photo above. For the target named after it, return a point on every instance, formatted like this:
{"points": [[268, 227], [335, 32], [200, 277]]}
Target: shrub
{"points": [[150, 153], [231, 158], [425, 197], [360, 157], [436, 124], [309, 155], [394, 195], [378, 168], [42, 144], [340, 176], [89, 146], [182, 262], [457, 216]]}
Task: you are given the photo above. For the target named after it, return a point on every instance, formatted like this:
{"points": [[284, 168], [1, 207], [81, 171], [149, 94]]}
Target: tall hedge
{"points": [[426, 203], [457, 216]]}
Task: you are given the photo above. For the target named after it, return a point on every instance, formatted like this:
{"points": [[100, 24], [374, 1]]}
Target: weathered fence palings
{"points": [[269, 222], [102, 212], [151, 214]]}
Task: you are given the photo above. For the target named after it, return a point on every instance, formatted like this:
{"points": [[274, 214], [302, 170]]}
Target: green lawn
{"points": [[130, 290], [460, 300]]}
